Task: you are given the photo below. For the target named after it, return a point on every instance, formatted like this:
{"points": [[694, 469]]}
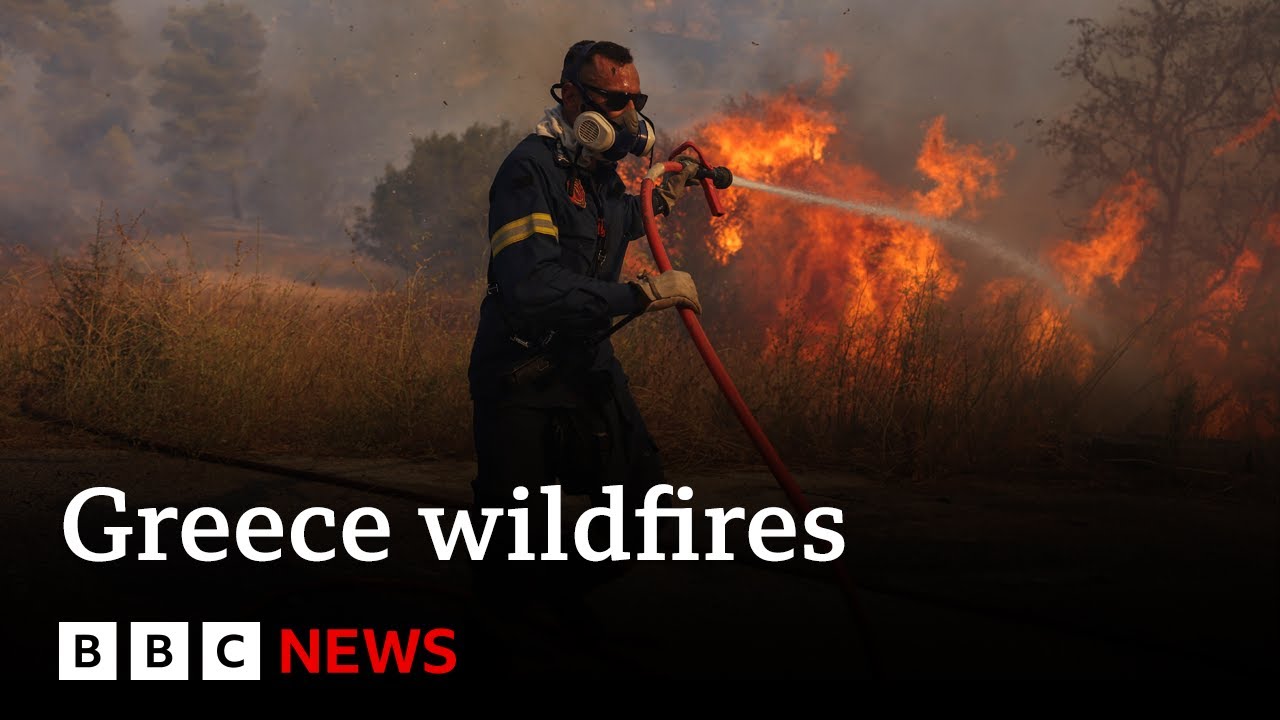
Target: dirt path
{"points": [[968, 574]]}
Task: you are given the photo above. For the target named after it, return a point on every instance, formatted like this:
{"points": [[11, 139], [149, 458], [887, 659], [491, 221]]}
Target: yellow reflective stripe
{"points": [[517, 230]]}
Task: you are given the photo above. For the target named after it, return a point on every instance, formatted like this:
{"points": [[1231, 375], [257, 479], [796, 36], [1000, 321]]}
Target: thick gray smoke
{"points": [[344, 87], [74, 129]]}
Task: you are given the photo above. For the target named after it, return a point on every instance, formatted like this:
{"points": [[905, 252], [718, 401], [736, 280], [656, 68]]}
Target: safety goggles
{"points": [[615, 100]]}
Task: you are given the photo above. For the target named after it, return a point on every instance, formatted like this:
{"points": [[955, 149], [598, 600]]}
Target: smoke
{"points": [[209, 86], [79, 110], [346, 85]]}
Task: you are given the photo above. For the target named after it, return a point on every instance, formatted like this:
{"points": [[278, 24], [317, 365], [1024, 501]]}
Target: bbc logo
{"points": [[159, 650]]}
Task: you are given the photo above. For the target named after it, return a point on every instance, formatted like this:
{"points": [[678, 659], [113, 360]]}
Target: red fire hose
{"points": [[708, 353]]}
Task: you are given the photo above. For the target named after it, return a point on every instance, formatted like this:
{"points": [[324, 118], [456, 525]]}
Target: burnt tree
{"points": [[1185, 93]]}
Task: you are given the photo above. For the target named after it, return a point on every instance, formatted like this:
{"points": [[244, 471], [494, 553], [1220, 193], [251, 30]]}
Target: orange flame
{"points": [[1119, 219], [963, 175], [1252, 131], [1226, 301], [1045, 331], [765, 140], [856, 279], [1222, 370], [832, 264], [833, 73]]}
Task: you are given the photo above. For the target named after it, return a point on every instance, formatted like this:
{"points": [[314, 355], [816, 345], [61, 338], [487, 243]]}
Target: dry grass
{"points": [[922, 390], [238, 360], [127, 339]]}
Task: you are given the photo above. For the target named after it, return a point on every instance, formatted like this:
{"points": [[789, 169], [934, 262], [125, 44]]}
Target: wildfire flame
{"points": [[832, 264], [1254, 129], [1229, 295], [1045, 327], [763, 142], [1118, 219], [964, 175], [848, 276], [1221, 370], [834, 73]]}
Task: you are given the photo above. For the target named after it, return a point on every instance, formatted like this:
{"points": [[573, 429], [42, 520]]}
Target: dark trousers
{"points": [[601, 441]]}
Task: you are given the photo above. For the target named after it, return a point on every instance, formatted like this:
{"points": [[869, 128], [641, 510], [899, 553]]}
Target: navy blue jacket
{"points": [[553, 275]]}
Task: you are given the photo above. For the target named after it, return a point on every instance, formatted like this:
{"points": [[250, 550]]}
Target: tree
{"points": [[85, 98], [1170, 91], [1186, 95], [435, 210], [209, 86]]}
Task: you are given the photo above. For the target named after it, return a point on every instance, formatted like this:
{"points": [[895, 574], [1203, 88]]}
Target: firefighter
{"points": [[560, 222]]}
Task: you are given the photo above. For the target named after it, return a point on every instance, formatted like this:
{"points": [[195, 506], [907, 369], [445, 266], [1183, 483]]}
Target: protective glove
{"points": [[673, 184], [673, 288]]}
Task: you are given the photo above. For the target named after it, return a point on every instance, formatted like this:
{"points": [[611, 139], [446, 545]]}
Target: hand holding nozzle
{"points": [[675, 176], [686, 166], [719, 176]]}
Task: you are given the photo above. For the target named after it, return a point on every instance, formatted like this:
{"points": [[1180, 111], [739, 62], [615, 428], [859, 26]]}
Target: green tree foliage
{"points": [[435, 210], [208, 85]]}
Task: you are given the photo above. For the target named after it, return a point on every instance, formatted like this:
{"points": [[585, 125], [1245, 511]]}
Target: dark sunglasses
{"points": [[615, 100]]}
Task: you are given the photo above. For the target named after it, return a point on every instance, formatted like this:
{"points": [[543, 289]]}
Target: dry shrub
{"points": [[127, 339], [242, 361], [923, 389]]}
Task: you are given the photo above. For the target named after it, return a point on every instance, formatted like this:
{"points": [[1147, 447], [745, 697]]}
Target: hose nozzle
{"points": [[719, 176]]}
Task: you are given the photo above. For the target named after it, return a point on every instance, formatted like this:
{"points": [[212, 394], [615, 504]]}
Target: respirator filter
{"points": [[612, 142]]}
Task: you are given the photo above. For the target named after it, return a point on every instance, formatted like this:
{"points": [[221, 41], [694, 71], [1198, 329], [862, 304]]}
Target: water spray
{"points": [[1022, 264]]}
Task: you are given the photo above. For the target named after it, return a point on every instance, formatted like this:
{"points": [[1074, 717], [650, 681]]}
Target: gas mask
{"points": [[613, 140], [609, 139]]}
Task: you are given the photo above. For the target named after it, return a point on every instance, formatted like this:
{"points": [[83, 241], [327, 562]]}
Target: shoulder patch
{"points": [[521, 181]]}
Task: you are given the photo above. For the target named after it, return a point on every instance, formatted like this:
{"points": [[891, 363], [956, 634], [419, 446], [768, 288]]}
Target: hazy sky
{"points": [[347, 84]]}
